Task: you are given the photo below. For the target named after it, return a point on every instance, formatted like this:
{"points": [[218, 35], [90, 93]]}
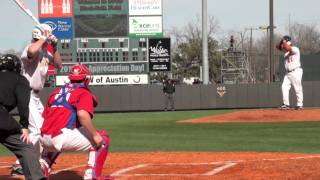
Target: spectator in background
{"points": [[196, 81], [169, 90]]}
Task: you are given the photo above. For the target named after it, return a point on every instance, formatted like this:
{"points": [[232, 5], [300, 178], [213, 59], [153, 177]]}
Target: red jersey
{"points": [[62, 106]]}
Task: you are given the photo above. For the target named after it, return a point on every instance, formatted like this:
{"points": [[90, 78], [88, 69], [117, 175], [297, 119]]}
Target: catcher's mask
{"points": [[80, 73], [10, 62]]}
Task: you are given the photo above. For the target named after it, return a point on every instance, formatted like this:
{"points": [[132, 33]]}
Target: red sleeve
{"points": [[85, 102]]}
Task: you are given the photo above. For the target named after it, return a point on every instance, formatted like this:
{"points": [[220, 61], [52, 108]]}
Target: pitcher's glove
{"points": [[279, 45]]}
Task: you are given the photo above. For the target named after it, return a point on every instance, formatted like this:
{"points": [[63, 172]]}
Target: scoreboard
{"points": [[106, 34]]}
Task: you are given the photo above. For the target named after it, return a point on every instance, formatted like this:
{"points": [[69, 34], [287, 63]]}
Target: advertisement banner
{"points": [[145, 26], [108, 68], [62, 27], [159, 54], [54, 8], [145, 7], [121, 79]]}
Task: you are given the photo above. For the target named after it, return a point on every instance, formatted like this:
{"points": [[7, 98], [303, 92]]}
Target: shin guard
{"points": [[97, 157]]}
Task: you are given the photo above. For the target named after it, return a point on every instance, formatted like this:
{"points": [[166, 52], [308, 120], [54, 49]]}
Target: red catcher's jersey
{"points": [[57, 117]]}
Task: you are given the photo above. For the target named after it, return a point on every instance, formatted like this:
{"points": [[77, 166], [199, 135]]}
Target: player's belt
{"points": [[36, 91], [292, 70]]}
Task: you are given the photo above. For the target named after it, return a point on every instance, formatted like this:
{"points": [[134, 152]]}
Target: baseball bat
{"points": [[22, 6]]}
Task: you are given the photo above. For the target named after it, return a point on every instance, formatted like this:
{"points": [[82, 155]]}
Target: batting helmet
{"points": [[79, 72], [38, 31], [10, 62]]}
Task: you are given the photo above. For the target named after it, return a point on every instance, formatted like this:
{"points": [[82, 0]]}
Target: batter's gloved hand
{"points": [[45, 35], [53, 39], [54, 42]]}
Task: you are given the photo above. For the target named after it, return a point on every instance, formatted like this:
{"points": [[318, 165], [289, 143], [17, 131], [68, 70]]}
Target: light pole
{"points": [[250, 52], [270, 51], [205, 63], [271, 47]]}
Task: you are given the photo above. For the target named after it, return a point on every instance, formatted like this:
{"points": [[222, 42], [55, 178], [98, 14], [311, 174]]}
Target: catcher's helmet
{"points": [[79, 72], [10, 62], [39, 30]]}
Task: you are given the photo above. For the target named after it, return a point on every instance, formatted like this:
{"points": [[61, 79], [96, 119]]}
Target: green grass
{"points": [[157, 131]]}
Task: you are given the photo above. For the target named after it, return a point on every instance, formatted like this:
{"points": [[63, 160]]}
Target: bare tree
{"points": [[11, 51], [260, 57], [306, 37], [187, 49]]}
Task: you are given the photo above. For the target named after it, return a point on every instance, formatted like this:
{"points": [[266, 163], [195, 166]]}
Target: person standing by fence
{"points": [[169, 90]]}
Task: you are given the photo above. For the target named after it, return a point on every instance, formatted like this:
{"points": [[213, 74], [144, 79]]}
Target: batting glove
{"points": [[54, 42]]}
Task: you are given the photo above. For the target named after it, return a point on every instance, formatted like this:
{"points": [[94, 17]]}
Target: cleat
{"points": [[284, 107], [17, 170], [298, 108]]}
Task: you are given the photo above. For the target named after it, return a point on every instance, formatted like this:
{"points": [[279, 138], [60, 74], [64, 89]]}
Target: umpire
{"points": [[14, 135], [169, 90]]}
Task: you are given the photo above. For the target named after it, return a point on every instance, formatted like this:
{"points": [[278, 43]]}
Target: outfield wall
{"points": [[188, 97]]}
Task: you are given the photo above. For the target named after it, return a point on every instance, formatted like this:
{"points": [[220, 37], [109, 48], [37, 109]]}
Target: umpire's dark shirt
{"points": [[14, 92], [169, 88]]}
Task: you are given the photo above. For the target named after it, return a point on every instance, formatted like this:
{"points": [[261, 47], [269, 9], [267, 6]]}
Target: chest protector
{"points": [[62, 100]]}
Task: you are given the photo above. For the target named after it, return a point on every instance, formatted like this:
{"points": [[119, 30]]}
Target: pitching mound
{"points": [[191, 165], [264, 115]]}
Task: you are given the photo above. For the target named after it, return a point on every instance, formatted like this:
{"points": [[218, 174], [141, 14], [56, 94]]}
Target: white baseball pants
{"points": [[35, 120], [72, 140], [293, 78]]}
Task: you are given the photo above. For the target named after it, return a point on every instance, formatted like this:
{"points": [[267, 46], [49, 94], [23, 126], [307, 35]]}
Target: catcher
{"points": [[293, 76], [67, 125]]}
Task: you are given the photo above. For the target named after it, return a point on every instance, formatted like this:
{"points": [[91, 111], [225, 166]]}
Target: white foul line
{"points": [[122, 171], [225, 165], [5, 165], [219, 169], [66, 169], [2, 167]]}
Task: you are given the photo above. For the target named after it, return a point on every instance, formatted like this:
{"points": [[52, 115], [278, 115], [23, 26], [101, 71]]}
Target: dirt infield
{"points": [[191, 165], [261, 115], [200, 165]]}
